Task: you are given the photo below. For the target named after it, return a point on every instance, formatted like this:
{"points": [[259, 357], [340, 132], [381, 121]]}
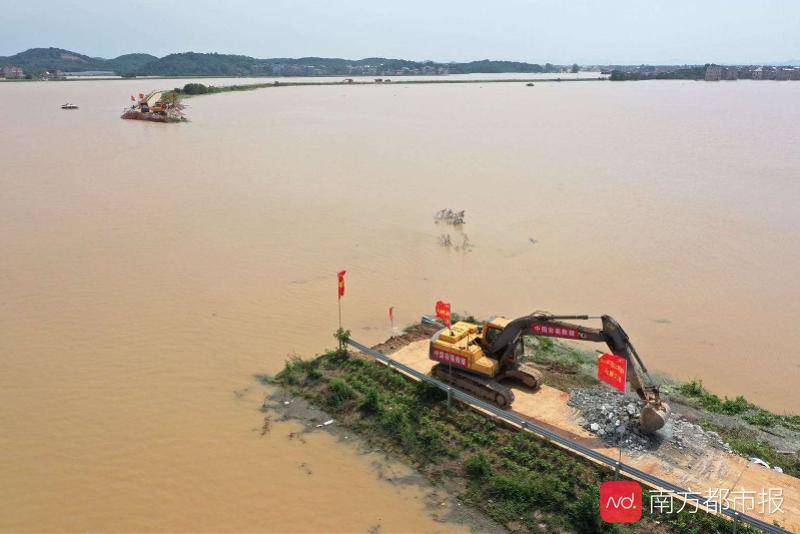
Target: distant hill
{"points": [[40, 59], [36, 60], [196, 64], [128, 62], [488, 65]]}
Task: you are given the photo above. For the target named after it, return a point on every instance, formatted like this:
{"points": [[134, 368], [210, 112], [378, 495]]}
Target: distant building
{"points": [[90, 73], [787, 73], [718, 72], [713, 73], [10, 72], [54, 75], [746, 73]]}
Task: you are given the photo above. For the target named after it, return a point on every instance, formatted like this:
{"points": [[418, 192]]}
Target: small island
{"points": [[158, 106]]}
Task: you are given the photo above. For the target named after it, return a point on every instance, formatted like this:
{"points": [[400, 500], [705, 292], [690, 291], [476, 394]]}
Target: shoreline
{"points": [[341, 82]]}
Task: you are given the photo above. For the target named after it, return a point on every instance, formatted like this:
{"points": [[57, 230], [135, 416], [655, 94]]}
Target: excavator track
{"points": [[484, 388], [525, 374]]}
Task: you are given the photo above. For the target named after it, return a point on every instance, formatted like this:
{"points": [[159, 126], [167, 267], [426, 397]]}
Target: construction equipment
{"points": [[477, 358]]}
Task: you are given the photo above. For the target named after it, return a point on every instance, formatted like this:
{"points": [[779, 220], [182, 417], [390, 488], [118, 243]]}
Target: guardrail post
{"points": [[735, 520], [449, 392]]}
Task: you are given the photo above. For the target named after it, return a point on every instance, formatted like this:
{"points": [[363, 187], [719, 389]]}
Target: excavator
{"points": [[477, 358]]}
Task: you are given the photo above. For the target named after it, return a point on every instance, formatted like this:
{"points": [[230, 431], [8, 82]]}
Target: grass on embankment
{"points": [[513, 477], [748, 411], [191, 89]]}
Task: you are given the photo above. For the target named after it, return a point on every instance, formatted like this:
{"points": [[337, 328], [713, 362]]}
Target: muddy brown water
{"points": [[149, 270]]}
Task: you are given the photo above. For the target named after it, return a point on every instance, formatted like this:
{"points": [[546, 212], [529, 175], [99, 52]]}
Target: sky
{"points": [[537, 31]]}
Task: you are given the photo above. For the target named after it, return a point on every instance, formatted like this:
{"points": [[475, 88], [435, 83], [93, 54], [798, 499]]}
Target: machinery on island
{"points": [[477, 358], [158, 106]]}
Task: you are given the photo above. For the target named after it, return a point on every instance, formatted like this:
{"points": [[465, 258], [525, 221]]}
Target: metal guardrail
{"points": [[568, 443]]}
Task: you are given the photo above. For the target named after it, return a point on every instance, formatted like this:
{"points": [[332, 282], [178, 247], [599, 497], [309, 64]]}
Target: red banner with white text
{"points": [[613, 370]]}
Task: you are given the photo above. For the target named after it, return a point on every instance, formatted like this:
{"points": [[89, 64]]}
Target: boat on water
{"points": [[69, 106]]}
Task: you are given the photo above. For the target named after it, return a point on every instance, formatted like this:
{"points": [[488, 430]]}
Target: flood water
{"points": [[149, 271]]}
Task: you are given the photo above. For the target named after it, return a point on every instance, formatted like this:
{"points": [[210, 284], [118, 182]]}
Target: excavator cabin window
{"points": [[491, 334]]}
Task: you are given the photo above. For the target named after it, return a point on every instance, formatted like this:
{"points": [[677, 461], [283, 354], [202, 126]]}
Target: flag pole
{"points": [[340, 294]]}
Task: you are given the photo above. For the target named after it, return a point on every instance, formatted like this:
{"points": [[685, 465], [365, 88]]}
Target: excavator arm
{"points": [[503, 348]]}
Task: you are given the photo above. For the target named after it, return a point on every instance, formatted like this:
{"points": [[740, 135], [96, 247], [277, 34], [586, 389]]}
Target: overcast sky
{"points": [[583, 31]]}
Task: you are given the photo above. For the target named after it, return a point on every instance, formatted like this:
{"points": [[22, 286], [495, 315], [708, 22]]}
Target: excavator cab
{"points": [[492, 329]]}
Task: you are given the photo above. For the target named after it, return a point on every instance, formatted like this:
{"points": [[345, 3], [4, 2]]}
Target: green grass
{"points": [[563, 367], [513, 477], [749, 412], [191, 89], [746, 442]]}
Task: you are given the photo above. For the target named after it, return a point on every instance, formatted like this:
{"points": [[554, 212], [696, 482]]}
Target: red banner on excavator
{"points": [[443, 312], [554, 330], [613, 370]]}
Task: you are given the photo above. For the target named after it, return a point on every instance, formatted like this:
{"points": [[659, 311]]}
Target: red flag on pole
{"points": [[443, 312], [391, 313], [341, 283], [613, 370]]}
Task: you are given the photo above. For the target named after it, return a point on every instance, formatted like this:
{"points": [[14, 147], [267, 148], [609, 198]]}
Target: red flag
{"points": [[613, 370], [443, 312], [391, 314], [341, 283]]}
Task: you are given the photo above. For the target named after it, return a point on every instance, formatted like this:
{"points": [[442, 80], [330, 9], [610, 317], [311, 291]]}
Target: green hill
{"points": [[128, 62], [196, 64], [36, 60]]}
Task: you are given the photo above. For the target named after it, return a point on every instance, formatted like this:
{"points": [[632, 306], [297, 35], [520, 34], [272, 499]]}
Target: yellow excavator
{"points": [[477, 358]]}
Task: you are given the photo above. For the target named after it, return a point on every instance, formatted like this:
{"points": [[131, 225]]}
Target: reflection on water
{"points": [[150, 270]]}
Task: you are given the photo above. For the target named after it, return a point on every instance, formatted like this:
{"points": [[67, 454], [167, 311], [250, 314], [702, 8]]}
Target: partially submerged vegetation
{"points": [[696, 72], [201, 89], [751, 413], [515, 478]]}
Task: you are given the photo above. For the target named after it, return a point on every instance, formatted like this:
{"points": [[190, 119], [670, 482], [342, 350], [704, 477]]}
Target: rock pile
{"points": [[614, 418], [449, 216]]}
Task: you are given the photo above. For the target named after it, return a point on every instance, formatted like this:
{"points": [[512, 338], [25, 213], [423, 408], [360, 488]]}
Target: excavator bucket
{"points": [[654, 416]]}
